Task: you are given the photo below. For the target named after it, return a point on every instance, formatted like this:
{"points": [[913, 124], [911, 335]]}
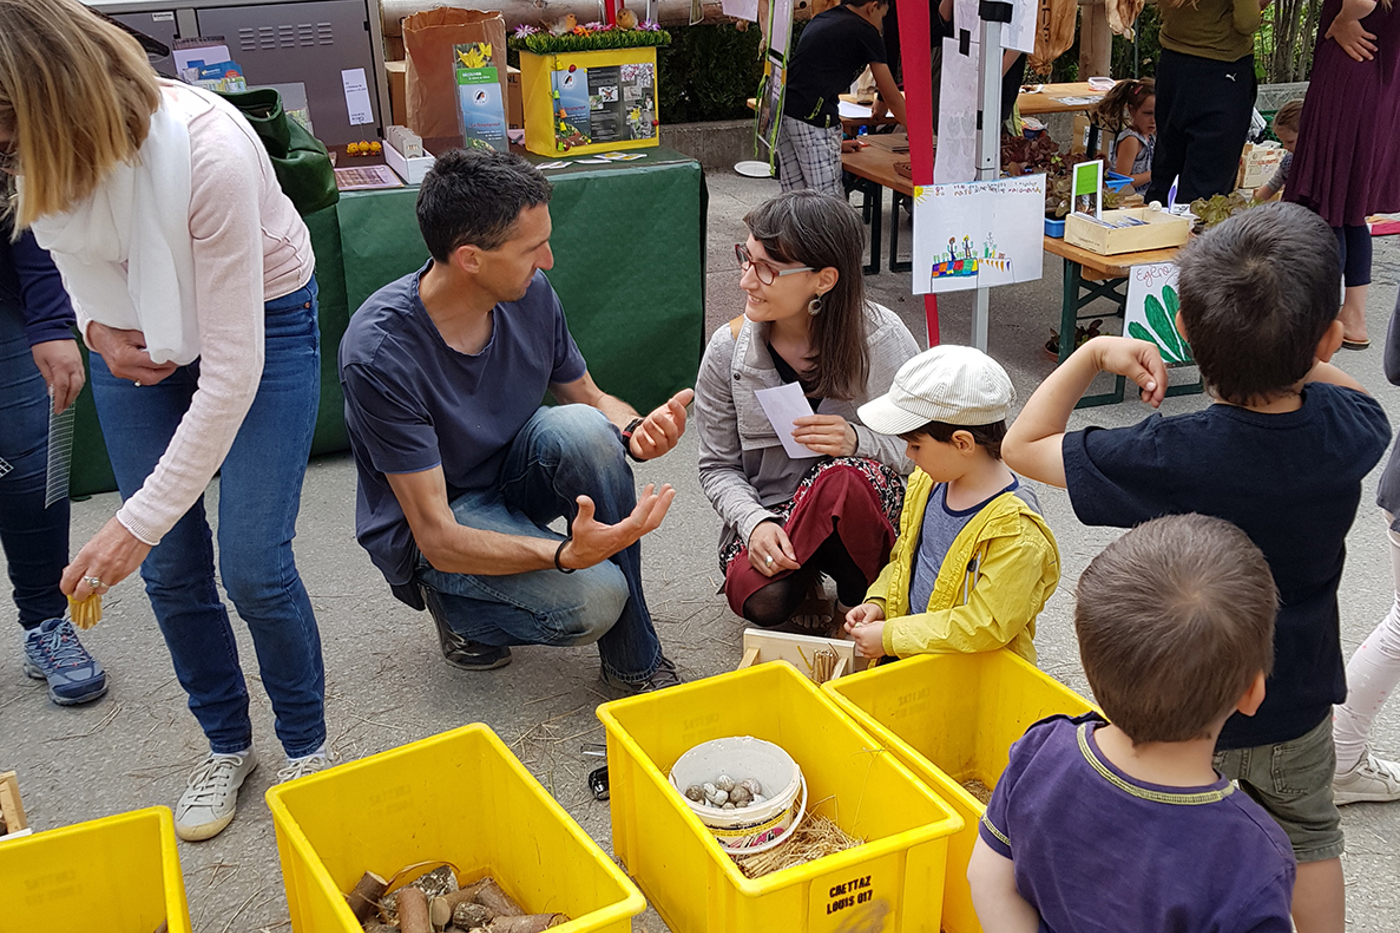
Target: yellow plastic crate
{"points": [[120, 874], [460, 796], [953, 718], [544, 134], [892, 883]]}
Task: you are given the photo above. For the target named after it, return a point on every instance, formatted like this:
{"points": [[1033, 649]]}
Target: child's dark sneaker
{"points": [[52, 652]]}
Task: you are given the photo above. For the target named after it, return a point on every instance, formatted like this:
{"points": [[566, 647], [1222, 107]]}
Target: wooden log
{"points": [[470, 916], [413, 911], [529, 923], [364, 896], [440, 910], [497, 901], [669, 13]]}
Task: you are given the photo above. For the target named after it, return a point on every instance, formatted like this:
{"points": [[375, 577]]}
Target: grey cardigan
{"points": [[743, 467]]}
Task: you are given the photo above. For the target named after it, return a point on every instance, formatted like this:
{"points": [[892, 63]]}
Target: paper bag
{"points": [[430, 87]]}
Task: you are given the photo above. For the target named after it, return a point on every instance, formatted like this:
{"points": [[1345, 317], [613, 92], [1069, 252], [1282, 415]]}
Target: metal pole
{"points": [[993, 13]]}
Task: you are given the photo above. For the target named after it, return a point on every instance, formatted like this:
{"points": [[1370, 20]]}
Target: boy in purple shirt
{"points": [[1125, 824]]}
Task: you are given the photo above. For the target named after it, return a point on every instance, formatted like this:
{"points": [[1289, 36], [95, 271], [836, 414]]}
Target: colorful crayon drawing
{"points": [[978, 234]]}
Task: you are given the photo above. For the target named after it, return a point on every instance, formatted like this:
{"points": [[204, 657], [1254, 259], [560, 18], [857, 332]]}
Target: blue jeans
{"points": [[561, 453], [35, 539], [259, 495]]}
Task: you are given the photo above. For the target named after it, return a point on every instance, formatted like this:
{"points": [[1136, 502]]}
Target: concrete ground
{"points": [[387, 684]]}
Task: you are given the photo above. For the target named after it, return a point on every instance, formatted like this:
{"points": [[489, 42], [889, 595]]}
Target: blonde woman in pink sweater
{"points": [[191, 274]]}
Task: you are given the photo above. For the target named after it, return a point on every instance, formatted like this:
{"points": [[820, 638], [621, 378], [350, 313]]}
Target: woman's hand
{"points": [[61, 364], [826, 434], [770, 551], [1346, 30], [124, 352], [110, 557]]}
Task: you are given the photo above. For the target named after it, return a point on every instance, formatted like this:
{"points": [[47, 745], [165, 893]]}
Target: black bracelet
{"points": [[627, 433], [558, 566]]}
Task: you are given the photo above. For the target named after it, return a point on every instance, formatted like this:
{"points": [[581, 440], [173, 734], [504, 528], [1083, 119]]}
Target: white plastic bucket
{"points": [[755, 828]]}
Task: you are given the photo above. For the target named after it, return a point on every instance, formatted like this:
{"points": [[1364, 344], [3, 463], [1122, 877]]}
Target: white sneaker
{"points": [[208, 803], [1371, 780], [307, 764]]}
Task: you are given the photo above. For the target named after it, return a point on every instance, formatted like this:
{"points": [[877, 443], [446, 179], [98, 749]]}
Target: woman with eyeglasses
{"points": [[191, 275], [833, 511]]}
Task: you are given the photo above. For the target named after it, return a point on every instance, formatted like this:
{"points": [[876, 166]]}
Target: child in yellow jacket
{"points": [[974, 562]]}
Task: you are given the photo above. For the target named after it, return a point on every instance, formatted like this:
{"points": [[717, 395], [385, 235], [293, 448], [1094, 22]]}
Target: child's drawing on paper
{"points": [[1151, 310], [977, 234]]}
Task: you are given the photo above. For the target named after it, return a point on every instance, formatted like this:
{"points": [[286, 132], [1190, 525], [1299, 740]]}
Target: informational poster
{"points": [[957, 113], [609, 104], [483, 113], [978, 234], [1019, 34], [771, 92], [357, 103], [1151, 310]]}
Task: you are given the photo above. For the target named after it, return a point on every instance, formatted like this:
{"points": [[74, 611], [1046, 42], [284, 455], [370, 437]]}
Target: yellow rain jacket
{"points": [[994, 581]]}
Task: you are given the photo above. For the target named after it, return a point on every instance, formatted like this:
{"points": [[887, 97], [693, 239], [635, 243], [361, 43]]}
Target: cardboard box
{"points": [[410, 169], [515, 100], [1257, 165], [1159, 230], [398, 98]]}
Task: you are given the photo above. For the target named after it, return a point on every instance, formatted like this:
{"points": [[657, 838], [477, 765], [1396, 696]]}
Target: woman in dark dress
{"points": [[1347, 162]]}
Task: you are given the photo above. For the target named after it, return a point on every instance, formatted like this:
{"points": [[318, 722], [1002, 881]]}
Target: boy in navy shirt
{"points": [[1175, 622], [1281, 454]]}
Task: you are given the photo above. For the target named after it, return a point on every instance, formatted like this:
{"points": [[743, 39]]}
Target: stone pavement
{"points": [[387, 684]]}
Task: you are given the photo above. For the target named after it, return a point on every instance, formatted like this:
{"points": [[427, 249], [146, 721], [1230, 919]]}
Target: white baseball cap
{"points": [[951, 384]]}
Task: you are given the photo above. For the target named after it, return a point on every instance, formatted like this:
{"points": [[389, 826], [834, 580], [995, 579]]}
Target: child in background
{"points": [[1130, 108], [1281, 454], [835, 47], [974, 562], [1175, 622], [1286, 129]]}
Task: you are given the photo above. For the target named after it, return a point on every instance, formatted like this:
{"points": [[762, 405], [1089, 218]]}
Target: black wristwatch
{"points": [[627, 433]]}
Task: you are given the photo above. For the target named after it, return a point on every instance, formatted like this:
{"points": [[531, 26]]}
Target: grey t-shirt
{"points": [[941, 528]]}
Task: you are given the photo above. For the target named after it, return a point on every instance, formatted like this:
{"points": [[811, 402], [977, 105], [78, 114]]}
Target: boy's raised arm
{"points": [[1034, 443], [1000, 907]]}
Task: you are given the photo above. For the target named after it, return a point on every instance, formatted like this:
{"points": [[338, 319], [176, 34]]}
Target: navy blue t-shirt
{"points": [[413, 403], [1097, 850], [1290, 481]]}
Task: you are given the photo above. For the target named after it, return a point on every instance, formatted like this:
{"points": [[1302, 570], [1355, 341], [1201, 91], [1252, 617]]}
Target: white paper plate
{"points": [[754, 169]]}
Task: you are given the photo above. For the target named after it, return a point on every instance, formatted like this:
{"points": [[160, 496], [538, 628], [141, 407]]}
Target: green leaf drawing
{"points": [[1142, 333], [1166, 331], [1173, 307]]}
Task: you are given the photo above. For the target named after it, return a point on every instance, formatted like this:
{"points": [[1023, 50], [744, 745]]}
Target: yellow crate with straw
{"points": [[952, 718]]}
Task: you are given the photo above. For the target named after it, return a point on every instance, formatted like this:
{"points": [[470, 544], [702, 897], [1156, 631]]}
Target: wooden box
{"points": [[1160, 230]]}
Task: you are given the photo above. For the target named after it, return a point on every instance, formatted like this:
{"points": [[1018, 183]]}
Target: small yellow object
{"points": [[87, 613], [375, 148], [352, 148]]}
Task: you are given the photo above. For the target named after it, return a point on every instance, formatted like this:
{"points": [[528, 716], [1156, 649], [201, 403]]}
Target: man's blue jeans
{"points": [[259, 495], [35, 538], [561, 453]]}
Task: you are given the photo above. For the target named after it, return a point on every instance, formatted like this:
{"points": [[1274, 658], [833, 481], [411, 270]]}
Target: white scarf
{"points": [[125, 253]]}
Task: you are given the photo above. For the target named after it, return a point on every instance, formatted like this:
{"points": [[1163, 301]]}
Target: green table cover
{"points": [[629, 253]]}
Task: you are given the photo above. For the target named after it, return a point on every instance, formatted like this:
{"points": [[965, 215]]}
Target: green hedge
{"points": [[708, 72]]}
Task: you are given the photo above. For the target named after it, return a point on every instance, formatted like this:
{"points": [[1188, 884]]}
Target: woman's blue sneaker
{"points": [[52, 652]]}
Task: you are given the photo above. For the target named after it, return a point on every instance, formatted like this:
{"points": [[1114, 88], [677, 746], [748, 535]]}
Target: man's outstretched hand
{"points": [[661, 429], [594, 542]]}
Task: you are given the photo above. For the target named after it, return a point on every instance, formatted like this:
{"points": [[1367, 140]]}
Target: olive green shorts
{"points": [[1293, 781]]}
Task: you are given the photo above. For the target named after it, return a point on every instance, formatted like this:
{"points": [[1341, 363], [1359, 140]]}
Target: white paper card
{"points": [[850, 111], [741, 9], [957, 115], [357, 96], [1019, 34], [783, 404], [978, 234], [1150, 313]]}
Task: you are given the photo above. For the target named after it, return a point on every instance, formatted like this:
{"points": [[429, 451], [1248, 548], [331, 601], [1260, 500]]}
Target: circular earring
{"points": [[814, 307]]}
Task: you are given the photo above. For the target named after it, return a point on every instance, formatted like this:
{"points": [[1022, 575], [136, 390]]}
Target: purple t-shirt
{"points": [[1096, 850], [413, 403]]}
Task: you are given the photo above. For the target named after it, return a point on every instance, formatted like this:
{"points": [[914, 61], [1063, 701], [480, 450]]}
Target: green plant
{"points": [[1164, 334], [708, 73], [546, 43]]}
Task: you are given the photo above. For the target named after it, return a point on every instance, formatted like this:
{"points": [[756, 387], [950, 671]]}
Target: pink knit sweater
{"points": [[250, 246]]}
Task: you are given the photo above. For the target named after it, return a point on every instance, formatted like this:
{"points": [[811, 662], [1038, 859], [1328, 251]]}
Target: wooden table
{"points": [[1050, 99], [873, 167], [1089, 276]]}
